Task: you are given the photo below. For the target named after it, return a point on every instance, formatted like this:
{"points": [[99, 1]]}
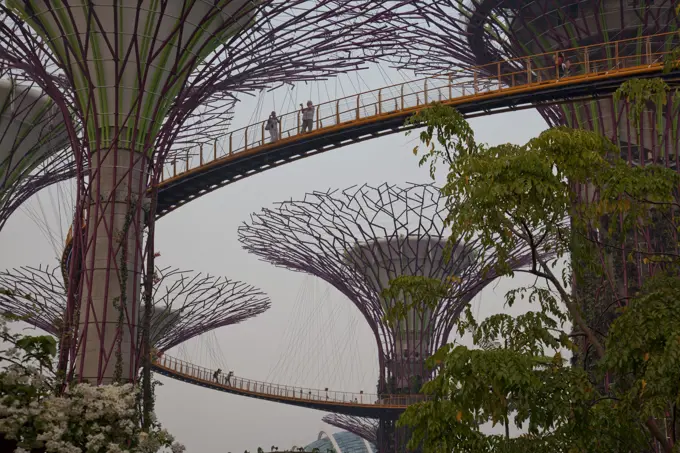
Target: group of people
{"points": [[273, 124], [224, 381]]}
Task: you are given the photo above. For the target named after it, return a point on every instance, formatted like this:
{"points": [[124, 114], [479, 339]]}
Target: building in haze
{"points": [[341, 442]]}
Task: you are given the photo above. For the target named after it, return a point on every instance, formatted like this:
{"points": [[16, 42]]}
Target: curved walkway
{"points": [[481, 90], [360, 404]]}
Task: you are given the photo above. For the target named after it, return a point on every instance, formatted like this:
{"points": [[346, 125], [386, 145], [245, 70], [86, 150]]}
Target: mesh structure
{"points": [[342, 442], [185, 304], [145, 80], [33, 143], [361, 238], [365, 428]]}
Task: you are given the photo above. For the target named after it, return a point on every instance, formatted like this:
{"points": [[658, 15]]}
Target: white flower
{"points": [[87, 419], [177, 448]]}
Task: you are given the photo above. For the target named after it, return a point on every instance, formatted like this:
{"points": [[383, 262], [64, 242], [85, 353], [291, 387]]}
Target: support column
{"points": [[113, 267]]}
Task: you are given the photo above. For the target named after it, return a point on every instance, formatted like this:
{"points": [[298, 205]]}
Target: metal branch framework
{"points": [[37, 295], [358, 240], [33, 144], [366, 428], [185, 304], [147, 78]]}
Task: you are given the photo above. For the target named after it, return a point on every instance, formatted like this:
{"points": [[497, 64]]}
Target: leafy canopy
{"points": [[555, 195]]}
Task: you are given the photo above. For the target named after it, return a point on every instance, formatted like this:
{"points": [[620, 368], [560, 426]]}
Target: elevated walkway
{"points": [[475, 91], [359, 404]]}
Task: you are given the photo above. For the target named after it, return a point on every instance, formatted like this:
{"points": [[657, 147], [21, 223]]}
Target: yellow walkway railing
{"points": [[613, 59], [282, 393]]}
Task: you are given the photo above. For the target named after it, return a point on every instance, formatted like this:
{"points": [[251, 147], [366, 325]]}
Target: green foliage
{"points": [[447, 128], [644, 347], [510, 195], [531, 197], [558, 407], [638, 92], [42, 348], [408, 292]]}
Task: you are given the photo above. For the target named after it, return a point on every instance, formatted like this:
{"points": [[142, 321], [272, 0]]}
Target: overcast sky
{"points": [[312, 335]]}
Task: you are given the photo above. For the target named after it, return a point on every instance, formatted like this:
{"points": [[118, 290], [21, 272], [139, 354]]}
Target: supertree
{"points": [[365, 428], [360, 239], [185, 304], [33, 143], [144, 78], [610, 34]]}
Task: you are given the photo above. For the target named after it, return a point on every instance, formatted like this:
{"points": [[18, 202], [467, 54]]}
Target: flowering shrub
{"points": [[86, 419]]}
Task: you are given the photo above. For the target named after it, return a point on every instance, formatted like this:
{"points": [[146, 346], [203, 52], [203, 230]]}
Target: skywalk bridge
{"points": [[360, 404], [475, 91]]}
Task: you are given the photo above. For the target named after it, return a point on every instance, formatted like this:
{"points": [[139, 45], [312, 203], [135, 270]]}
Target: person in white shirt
{"points": [[307, 117], [272, 126]]}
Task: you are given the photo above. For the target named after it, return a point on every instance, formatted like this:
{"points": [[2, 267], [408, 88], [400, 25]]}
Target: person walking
{"points": [[273, 125], [561, 65], [307, 117]]}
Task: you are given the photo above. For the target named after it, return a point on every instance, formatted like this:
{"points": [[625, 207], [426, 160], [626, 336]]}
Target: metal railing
{"points": [[181, 368], [612, 58]]}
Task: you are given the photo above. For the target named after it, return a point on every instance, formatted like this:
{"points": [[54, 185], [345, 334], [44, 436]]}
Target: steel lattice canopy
{"points": [[30, 132]]}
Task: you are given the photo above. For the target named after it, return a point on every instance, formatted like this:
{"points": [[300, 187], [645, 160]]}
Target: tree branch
{"points": [[572, 307], [658, 435]]}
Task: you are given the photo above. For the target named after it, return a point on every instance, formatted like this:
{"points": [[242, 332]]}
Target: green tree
{"points": [[531, 196]]}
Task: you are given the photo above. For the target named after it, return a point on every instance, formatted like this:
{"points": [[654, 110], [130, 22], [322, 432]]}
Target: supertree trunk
{"points": [[112, 270]]}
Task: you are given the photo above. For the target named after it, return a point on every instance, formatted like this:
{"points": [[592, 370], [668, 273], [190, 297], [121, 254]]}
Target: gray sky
{"points": [[312, 335]]}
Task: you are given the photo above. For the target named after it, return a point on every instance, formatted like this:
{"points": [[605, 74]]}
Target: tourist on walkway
{"points": [[307, 117], [216, 375], [273, 125], [561, 65], [229, 375]]}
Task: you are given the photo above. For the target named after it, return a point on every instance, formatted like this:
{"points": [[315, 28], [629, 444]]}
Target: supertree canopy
{"points": [[185, 304], [33, 143], [144, 78], [361, 238]]}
